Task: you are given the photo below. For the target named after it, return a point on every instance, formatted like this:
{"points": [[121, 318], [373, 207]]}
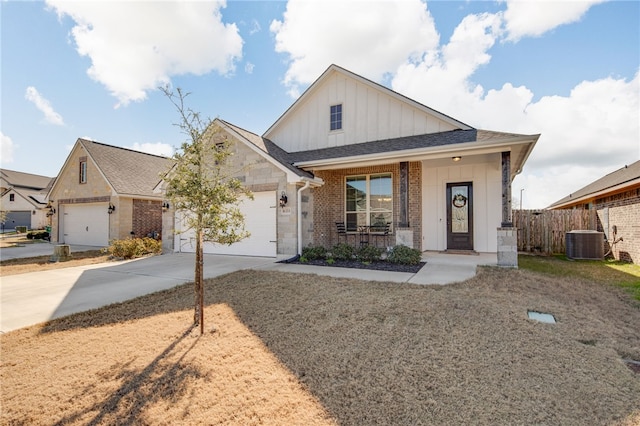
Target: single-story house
{"points": [[616, 199], [353, 152], [105, 192], [24, 199]]}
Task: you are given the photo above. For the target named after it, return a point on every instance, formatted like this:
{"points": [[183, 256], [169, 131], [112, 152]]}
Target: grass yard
{"points": [[303, 349]]}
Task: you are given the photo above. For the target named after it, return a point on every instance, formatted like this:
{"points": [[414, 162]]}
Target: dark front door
{"points": [[460, 216]]}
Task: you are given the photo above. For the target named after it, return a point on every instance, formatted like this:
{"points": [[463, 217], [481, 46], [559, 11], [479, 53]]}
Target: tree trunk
{"points": [[197, 280]]}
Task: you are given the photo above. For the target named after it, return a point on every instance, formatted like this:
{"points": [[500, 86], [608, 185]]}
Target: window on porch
{"points": [[369, 201]]}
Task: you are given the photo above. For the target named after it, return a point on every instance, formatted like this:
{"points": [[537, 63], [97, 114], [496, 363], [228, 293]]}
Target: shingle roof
{"points": [[388, 145], [128, 171], [619, 177], [26, 180]]}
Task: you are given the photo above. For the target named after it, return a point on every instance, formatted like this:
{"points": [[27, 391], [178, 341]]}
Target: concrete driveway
{"points": [[28, 299]]}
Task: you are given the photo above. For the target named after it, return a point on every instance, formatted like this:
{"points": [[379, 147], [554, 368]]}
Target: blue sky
{"points": [[568, 70]]}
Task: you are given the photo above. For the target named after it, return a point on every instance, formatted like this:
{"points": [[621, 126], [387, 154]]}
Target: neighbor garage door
{"points": [[18, 218], [86, 224], [260, 221]]}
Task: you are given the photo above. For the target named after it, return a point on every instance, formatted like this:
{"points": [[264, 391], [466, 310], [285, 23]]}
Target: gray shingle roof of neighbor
{"points": [[128, 171], [26, 180], [618, 177]]}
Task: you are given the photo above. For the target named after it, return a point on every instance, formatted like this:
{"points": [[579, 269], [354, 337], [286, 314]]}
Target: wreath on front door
{"points": [[459, 201]]}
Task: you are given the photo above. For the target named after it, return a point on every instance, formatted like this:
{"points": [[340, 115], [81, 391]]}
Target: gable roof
{"points": [[25, 180], [335, 68], [272, 152], [616, 181], [128, 172]]}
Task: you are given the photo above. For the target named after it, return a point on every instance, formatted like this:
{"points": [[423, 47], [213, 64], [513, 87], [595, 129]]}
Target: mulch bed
{"points": [[377, 266]]}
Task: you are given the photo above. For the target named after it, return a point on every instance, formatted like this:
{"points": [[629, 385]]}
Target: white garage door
{"points": [[259, 220], [86, 224]]}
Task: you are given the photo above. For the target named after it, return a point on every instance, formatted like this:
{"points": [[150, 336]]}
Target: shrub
{"points": [[342, 251], [314, 253], [368, 254], [404, 255], [37, 235], [134, 247]]}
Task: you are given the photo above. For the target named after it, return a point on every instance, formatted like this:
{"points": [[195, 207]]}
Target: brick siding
{"points": [[147, 218], [329, 200], [624, 213]]}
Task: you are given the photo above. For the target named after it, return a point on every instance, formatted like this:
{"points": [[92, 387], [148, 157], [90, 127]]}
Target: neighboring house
{"points": [[104, 193], [24, 198], [616, 199], [350, 150]]}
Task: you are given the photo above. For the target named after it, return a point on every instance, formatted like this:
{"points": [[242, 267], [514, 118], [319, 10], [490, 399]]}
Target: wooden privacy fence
{"points": [[543, 231]]}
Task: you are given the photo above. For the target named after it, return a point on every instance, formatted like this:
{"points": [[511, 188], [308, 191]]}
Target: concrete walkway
{"points": [[32, 298]]}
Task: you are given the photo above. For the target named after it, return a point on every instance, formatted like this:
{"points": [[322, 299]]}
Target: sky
{"points": [[568, 70]]}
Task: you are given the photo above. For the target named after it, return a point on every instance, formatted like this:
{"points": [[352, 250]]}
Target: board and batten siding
{"points": [[368, 114], [484, 173]]}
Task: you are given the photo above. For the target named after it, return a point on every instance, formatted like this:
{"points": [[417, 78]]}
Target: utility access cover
{"points": [[541, 317]]}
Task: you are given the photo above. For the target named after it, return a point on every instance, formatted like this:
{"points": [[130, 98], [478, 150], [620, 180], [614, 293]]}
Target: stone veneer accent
{"points": [[508, 247]]}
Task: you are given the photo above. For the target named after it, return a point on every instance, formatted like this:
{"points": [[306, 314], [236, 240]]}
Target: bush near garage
{"points": [[131, 248], [38, 235]]}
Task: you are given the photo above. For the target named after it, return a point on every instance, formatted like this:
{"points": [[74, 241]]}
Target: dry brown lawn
{"points": [[302, 349], [43, 263]]}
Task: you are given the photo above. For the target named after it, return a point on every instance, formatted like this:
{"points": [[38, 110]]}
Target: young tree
{"points": [[202, 187]]}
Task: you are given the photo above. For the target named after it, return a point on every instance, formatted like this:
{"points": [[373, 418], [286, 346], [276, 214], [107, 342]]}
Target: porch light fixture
{"points": [[111, 208], [51, 211], [283, 199], [456, 158], [165, 206]]}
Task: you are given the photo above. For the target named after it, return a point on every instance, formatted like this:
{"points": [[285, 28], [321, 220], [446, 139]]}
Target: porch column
{"points": [[506, 190], [507, 234], [404, 234], [403, 219]]}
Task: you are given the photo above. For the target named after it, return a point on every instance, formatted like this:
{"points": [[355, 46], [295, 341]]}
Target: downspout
{"points": [[307, 184]]}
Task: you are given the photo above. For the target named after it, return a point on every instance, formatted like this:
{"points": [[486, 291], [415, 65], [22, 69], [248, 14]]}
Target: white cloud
{"points": [[6, 149], [137, 46], [157, 148], [248, 68], [371, 39], [33, 96], [534, 18], [585, 135]]}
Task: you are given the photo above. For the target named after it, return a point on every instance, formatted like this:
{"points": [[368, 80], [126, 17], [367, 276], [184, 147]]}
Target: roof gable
{"points": [[126, 171], [370, 112], [623, 177], [129, 172], [273, 153]]}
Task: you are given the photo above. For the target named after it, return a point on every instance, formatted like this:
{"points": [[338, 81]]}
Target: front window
{"points": [[336, 117], [369, 201], [83, 171]]}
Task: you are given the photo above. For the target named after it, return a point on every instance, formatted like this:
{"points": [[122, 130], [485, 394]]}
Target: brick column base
{"points": [[508, 247]]}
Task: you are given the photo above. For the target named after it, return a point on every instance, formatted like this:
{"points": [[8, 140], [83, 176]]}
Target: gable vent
{"points": [[583, 244]]}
